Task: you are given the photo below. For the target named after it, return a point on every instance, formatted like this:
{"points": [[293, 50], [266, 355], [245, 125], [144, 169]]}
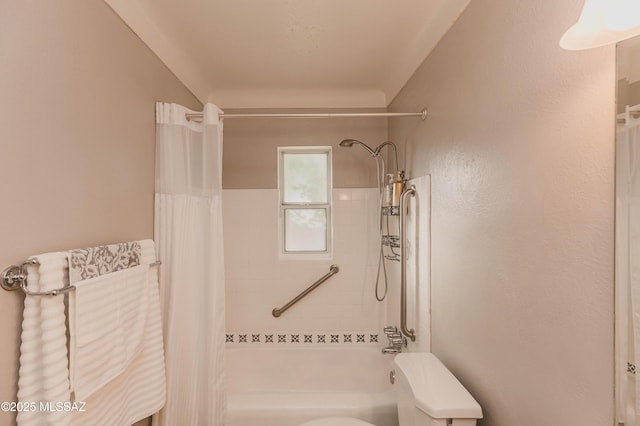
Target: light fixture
{"points": [[603, 22]]}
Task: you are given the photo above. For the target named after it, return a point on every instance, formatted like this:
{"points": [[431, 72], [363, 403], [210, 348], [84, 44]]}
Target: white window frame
{"points": [[282, 206]]}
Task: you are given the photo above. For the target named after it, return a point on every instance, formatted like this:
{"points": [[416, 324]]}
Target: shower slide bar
{"points": [[422, 114], [332, 271], [410, 333], [15, 278]]}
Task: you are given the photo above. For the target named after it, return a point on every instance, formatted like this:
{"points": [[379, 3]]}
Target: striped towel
{"points": [[137, 391], [140, 388], [43, 372], [107, 319]]}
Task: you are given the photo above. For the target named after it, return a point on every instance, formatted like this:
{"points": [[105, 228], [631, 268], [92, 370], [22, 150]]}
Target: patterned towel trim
{"points": [[95, 261]]}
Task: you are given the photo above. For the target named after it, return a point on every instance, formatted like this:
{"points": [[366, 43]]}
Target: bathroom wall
{"points": [[77, 135], [343, 309], [250, 147], [628, 74], [519, 145], [258, 281]]}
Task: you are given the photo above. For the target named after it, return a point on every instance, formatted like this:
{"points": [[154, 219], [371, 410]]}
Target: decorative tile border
{"points": [[308, 338]]}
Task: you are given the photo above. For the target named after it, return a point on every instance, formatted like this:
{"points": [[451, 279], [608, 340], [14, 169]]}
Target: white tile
{"points": [[261, 282]]}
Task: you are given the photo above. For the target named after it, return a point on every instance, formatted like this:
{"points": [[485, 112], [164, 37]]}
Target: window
{"points": [[304, 183]]}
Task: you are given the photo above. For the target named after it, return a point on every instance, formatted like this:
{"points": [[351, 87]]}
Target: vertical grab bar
{"points": [[410, 333]]}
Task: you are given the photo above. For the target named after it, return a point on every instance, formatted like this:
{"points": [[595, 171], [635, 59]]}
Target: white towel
{"points": [[107, 320], [140, 390], [43, 372], [136, 393]]}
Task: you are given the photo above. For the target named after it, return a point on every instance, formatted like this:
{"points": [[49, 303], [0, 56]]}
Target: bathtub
{"points": [[288, 386]]}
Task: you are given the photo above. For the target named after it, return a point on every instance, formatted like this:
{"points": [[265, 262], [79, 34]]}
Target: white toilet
{"points": [[428, 395]]}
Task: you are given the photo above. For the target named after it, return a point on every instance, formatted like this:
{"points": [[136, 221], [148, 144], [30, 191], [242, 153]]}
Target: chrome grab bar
{"points": [[410, 333], [332, 271]]}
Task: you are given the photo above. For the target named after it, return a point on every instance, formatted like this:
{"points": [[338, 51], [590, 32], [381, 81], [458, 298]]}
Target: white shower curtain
{"points": [[188, 234], [627, 270]]}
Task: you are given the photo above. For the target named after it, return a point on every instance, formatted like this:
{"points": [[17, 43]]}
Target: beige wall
{"points": [[519, 144], [520, 147], [77, 134], [250, 159], [628, 94]]}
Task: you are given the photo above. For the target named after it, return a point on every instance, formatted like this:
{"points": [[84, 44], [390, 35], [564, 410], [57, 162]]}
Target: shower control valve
{"points": [[390, 330], [396, 341]]}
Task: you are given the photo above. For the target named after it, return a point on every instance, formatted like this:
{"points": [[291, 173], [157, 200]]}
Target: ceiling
{"points": [[291, 53]]}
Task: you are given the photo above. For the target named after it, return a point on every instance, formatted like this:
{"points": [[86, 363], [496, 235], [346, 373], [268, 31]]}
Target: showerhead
{"points": [[348, 143]]}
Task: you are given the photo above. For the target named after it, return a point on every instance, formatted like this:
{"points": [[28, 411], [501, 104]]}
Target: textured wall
{"points": [[520, 148], [250, 148], [77, 135]]}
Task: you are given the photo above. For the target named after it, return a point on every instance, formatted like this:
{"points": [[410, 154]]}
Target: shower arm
{"points": [[395, 152]]}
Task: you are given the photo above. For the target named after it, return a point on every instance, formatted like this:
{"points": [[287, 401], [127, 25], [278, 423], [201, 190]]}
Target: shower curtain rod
{"points": [[422, 114]]}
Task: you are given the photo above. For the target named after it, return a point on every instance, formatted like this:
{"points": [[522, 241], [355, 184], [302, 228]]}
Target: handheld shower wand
{"points": [[397, 185], [348, 143]]}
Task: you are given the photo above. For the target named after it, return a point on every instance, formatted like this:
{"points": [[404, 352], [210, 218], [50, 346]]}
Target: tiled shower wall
{"points": [[343, 310]]}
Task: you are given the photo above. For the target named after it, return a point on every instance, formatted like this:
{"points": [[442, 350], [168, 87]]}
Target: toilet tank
{"points": [[429, 394]]}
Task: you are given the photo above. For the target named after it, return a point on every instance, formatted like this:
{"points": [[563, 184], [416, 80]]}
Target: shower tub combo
{"points": [[288, 386]]}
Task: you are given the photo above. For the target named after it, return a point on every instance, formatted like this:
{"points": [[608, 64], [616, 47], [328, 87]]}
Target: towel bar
{"points": [[15, 277]]}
